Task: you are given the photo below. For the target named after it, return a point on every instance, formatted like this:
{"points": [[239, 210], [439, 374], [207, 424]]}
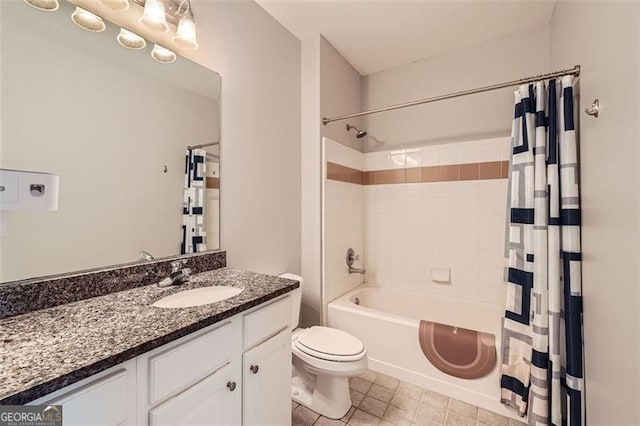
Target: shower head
{"points": [[360, 133]]}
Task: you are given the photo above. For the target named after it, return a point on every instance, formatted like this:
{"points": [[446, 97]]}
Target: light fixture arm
{"points": [[188, 9]]}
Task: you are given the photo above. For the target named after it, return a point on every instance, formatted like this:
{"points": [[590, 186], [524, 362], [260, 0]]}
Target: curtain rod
{"points": [[573, 71], [203, 145]]}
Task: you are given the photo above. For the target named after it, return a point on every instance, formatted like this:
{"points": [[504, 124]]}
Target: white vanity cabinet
{"points": [[197, 377], [266, 364], [237, 371], [266, 382]]}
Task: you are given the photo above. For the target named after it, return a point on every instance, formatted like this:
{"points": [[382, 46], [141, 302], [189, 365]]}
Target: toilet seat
{"points": [[330, 344]]}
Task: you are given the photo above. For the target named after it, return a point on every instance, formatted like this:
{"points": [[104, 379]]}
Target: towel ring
{"points": [[594, 109]]}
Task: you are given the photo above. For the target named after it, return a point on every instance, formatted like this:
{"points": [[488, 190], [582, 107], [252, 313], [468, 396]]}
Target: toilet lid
{"points": [[329, 341]]}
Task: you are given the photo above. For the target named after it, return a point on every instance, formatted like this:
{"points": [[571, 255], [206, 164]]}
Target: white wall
{"points": [[340, 94], [412, 228], [602, 36], [471, 117], [330, 86], [344, 223], [310, 312], [259, 61]]}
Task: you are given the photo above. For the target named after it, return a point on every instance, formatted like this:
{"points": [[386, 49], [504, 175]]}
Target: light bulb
{"points": [[87, 20], [46, 5], [163, 55], [186, 34], [119, 5], [130, 40], [153, 16]]}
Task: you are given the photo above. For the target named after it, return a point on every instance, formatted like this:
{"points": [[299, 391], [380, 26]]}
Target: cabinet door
{"points": [[267, 382], [108, 400], [215, 400]]}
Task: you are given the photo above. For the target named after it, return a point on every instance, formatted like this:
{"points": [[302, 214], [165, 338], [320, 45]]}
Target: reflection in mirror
{"points": [[114, 126]]}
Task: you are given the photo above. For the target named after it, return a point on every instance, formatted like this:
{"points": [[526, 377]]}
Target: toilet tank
{"points": [[297, 300]]}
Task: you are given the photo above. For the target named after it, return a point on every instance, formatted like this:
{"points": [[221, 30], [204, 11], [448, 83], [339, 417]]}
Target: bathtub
{"points": [[386, 320]]}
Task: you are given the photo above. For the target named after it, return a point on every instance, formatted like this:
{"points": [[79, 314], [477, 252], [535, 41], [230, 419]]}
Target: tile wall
{"points": [[343, 218], [412, 210], [447, 223]]}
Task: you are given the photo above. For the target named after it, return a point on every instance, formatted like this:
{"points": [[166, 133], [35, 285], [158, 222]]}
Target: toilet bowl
{"points": [[324, 359]]}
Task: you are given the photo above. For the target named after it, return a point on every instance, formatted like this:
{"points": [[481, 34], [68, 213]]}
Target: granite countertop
{"points": [[43, 351]]}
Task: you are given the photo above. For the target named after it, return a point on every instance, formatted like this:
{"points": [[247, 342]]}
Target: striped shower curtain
{"points": [[193, 229], [542, 374]]}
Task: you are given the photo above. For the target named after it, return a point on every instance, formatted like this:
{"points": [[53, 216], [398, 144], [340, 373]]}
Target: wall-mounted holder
{"points": [[594, 109], [441, 275], [21, 190]]}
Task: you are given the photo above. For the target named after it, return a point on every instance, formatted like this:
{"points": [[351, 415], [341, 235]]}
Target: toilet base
{"points": [[323, 385], [326, 395]]}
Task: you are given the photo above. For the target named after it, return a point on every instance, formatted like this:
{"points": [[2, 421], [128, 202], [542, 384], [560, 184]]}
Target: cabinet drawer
{"points": [[181, 366], [266, 322]]}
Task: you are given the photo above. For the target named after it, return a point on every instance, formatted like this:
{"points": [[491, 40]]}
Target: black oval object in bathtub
{"points": [[459, 352]]}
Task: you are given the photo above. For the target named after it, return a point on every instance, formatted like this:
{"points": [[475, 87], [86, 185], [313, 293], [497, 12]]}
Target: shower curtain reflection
{"points": [[193, 227]]}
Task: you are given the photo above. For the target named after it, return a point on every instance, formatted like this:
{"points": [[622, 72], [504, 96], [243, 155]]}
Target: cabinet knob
{"points": [[231, 386], [254, 369]]}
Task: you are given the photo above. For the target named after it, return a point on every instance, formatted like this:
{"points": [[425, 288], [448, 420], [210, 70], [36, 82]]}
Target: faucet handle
{"points": [[144, 256], [352, 257]]}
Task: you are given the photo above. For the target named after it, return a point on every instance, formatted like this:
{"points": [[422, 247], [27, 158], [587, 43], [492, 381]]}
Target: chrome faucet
{"points": [[152, 272], [351, 258], [179, 274]]}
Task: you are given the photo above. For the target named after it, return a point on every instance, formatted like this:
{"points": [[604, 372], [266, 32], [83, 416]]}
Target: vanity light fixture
{"points": [[186, 33], [87, 20], [153, 16], [46, 5], [131, 40], [118, 5], [163, 55]]}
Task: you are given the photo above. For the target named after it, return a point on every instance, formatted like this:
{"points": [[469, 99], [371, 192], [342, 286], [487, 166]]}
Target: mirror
{"points": [[115, 125]]}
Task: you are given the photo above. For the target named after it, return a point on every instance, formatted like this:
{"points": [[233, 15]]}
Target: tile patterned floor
{"points": [[380, 400]]}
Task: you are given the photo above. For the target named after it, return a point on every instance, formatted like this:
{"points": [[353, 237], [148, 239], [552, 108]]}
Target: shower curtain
{"points": [[542, 373], [193, 229]]}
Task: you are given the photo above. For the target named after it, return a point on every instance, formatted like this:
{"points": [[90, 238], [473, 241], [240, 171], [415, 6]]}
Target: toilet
{"points": [[323, 359]]}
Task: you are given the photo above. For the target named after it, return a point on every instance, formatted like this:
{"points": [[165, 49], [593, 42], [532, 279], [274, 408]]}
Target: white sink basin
{"points": [[197, 297]]}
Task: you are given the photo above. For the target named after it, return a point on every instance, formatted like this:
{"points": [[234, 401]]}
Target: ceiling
{"points": [[374, 35]]}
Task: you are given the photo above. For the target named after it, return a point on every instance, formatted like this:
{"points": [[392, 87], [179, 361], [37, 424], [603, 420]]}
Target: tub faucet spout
{"points": [[360, 271]]}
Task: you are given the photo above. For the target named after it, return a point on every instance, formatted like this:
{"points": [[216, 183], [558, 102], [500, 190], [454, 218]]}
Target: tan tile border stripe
{"points": [[447, 173], [343, 173], [213, 183]]}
